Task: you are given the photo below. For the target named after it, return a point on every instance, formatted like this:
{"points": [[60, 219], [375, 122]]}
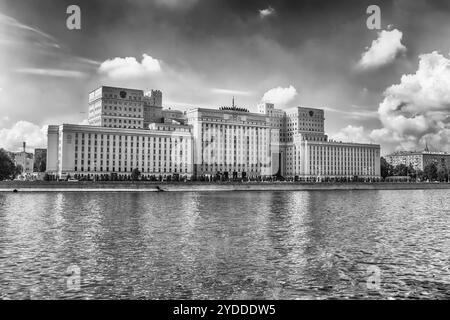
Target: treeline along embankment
{"points": [[43, 186]]}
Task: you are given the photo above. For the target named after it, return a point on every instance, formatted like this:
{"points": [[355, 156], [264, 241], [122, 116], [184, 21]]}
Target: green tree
{"points": [[7, 167], [386, 169], [18, 170], [40, 163], [401, 170], [43, 165], [411, 172], [135, 174], [441, 172], [420, 175], [430, 171]]}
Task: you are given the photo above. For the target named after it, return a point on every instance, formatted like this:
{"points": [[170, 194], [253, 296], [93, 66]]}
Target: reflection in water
{"points": [[226, 245]]}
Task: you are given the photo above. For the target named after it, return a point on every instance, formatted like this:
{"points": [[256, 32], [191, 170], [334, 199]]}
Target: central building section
{"points": [[231, 142]]}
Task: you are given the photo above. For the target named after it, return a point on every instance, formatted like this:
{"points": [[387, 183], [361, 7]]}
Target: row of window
{"points": [[130, 97], [110, 120], [114, 137], [116, 108], [113, 169]]}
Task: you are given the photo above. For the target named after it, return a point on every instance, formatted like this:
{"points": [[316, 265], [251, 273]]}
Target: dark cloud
{"points": [[203, 45]]}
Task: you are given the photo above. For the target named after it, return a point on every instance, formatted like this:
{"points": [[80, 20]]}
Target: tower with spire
{"points": [[233, 107]]}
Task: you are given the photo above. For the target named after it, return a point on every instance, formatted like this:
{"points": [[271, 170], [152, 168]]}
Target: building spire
{"points": [[232, 103], [426, 146]]}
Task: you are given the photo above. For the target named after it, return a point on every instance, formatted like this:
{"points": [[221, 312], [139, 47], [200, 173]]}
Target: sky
{"points": [[389, 86]]}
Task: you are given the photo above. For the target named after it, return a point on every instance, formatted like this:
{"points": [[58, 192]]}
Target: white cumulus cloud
{"points": [[230, 92], [11, 139], [280, 96], [352, 134], [266, 12], [417, 110], [383, 50], [129, 67]]}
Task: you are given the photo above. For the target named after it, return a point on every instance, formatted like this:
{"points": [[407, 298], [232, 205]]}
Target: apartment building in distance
{"points": [[418, 159], [130, 129], [24, 159]]}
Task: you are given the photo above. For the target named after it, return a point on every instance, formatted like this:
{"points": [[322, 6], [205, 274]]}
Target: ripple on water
{"points": [[226, 245]]}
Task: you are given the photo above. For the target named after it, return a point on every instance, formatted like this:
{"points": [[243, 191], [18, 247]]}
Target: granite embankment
{"points": [[141, 186]]}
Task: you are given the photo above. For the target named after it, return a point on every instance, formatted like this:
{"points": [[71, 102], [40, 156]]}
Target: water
{"points": [[225, 245]]}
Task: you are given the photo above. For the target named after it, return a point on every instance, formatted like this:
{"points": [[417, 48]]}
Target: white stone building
{"points": [[229, 141], [90, 150]]}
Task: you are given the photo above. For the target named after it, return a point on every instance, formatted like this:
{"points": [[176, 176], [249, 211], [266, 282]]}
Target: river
{"points": [[225, 245]]}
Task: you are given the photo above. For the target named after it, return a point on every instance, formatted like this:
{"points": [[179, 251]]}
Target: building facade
{"points": [[418, 159], [230, 142], [152, 107], [90, 150], [116, 108], [306, 152], [24, 159]]}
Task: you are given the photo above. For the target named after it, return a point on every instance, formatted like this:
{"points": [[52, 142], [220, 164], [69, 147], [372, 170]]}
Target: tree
{"points": [[411, 172], [135, 174], [43, 165], [40, 162], [18, 170], [401, 170], [7, 167], [441, 172], [386, 169], [420, 175], [430, 171]]}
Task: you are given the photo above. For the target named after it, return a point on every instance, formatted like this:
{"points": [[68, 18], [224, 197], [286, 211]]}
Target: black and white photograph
{"points": [[248, 152]]}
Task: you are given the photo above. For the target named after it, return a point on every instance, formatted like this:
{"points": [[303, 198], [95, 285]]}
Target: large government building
{"points": [[130, 129]]}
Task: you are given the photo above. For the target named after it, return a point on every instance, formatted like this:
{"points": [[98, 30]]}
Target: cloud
{"points": [[383, 50], [4, 120], [129, 67], [12, 23], [263, 13], [35, 137], [417, 109], [280, 96], [52, 72], [359, 114], [352, 134], [176, 4], [88, 61], [231, 92]]}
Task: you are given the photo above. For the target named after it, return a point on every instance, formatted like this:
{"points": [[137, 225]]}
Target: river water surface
{"points": [[225, 245]]}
